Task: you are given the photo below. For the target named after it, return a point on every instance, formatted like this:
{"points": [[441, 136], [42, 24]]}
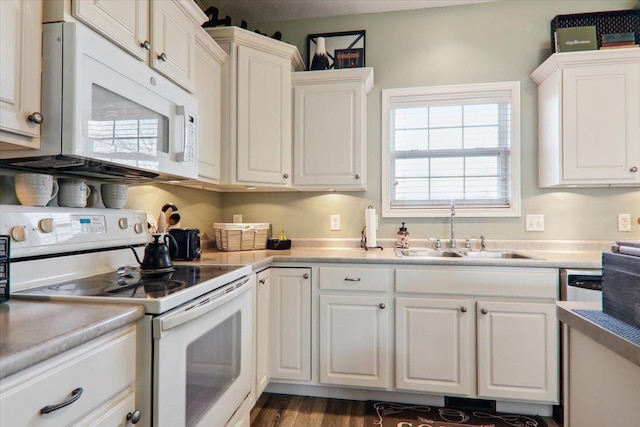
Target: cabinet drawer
{"points": [[356, 278], [102, 368]]}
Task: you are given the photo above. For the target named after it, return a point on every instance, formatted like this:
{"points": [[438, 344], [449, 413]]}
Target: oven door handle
{"points": [[200, 307]]}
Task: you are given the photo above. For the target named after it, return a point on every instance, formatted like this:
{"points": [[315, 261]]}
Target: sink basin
{"points": [[427, 253], [430, 253], [496, 254]]}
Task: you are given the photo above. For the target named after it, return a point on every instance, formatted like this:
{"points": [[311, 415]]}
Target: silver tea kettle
{"points": [[157, 255]]}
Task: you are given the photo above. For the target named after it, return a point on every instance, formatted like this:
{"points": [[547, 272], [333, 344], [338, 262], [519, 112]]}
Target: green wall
{"points": [[486, 42]]}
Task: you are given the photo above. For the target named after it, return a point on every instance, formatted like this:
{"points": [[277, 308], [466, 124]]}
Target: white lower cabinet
{"points": [[354, 340], [100, 375], [435, 343], [487, 332], [518, 351], [290, 323], [355, 326], [263, 326]]}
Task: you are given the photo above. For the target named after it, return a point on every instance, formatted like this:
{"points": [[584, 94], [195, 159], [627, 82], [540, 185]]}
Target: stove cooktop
{"points": [[132, 284]]}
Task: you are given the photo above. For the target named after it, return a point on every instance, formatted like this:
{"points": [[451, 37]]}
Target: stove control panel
{"points": [[38, 231]]}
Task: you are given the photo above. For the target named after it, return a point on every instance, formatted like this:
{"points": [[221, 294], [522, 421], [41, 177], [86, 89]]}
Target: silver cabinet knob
{"points": [[36, 118], [163, 57], [484, 311], [285, 176], [382, 306], [145, 44], [634, 169], [305, 276], [357, 176], [463, 309], [134, 416]]}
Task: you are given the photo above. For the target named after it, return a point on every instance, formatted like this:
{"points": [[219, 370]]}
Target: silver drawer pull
{"points": [[352, 279], [75, 395]]}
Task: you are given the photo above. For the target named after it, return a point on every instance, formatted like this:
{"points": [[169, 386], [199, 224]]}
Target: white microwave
{"points": [[107, 115]]}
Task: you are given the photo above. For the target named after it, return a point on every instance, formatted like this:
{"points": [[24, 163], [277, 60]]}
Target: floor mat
{"points": [[388, 414]]}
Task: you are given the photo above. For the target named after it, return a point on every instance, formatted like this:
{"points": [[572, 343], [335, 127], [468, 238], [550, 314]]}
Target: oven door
{"points": [[202, 358]]}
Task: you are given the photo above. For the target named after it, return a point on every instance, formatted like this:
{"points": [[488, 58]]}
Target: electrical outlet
{"points": [[534, 222], [624, 222], [335, 222]]}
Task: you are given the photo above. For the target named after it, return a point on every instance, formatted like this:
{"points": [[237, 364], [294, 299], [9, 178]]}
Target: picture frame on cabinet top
{"points": [[335, 43]]}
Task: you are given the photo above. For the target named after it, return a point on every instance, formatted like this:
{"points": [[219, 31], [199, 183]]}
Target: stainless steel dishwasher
{"points": [[581, 285]]}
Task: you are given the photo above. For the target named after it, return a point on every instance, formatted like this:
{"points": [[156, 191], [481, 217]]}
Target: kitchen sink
{"points": [[430, 253], [496, 254], [427, 253]]}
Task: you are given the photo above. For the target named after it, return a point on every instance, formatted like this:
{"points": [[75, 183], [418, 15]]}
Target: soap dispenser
{"points": [[402, 241]]}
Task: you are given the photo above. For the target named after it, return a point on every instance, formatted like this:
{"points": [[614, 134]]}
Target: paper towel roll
{"points": [[371, 224]]}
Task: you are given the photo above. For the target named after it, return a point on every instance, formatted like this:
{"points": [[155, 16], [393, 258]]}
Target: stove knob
{"points": [[46, 225], [19, 233], [123, 223], [138, 228]]}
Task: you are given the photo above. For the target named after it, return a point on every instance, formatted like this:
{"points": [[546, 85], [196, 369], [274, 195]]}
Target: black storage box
{"points": [[611, 22], [278, 244], [621, 287]]}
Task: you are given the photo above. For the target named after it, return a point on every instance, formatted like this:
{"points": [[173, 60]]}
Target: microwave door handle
{"points": [[182, 112]]}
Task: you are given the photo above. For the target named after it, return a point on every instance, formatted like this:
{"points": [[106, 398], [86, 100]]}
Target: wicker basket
{"points": [[241, 236]]}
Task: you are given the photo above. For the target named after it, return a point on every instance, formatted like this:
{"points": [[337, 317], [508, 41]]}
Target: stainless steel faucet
{"points": [[452, 240]]}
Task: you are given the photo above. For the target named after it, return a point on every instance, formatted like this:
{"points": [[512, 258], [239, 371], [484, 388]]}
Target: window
{"points": [[447, 143]]}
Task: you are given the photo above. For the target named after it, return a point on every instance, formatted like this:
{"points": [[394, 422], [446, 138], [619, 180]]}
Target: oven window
{"points": [[213, 364], [119, 125]]}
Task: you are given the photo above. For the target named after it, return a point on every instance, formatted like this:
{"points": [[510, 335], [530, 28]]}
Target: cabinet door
{"points": [[208, 93], [435, 339], [291, 323], [329, 136], [126, 23], [354, 340], [173, 47], [263, 324], [518, 351], [263, 153], [601, 127], [20, 90]]}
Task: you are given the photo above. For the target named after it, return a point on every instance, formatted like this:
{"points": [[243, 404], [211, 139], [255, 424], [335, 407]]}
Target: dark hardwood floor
{"points": [[283, 410]]}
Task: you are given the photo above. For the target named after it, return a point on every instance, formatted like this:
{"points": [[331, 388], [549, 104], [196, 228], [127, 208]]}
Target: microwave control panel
{"points": [[191, 139]]}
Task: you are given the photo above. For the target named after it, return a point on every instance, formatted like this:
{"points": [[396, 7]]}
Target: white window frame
{"points": [[450, 92]]}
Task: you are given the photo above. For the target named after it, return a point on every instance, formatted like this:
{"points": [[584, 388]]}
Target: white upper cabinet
{"points": [[162, 33], [330, 129], [126, 23], [209, 60], [588, 127], [20, 90], [256, 105]]}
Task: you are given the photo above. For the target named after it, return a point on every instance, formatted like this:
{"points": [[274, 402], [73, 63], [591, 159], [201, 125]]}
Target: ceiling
{"points": [[257, 11]]}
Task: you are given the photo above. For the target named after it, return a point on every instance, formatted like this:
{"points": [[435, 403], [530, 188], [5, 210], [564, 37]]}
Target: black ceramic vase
{"points": [[320, 59]]}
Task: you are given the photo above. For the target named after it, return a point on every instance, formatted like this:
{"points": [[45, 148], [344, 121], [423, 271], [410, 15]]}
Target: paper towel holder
{"points": [[363, 241], [363, 238]]}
